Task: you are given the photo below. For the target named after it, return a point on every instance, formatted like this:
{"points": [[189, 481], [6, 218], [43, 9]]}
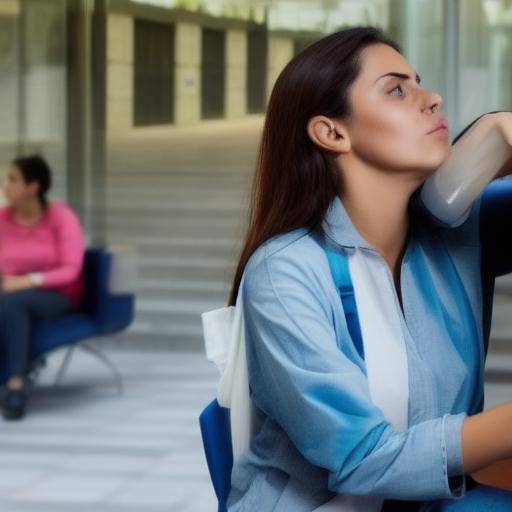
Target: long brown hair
{"points": [[295, 181]]}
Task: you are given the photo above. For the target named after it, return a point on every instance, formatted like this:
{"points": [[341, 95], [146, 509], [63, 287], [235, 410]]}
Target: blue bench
{"points": [[100, 313]]}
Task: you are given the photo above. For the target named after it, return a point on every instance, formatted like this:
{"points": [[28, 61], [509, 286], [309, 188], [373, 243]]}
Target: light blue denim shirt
{"points": [[320, 432]]}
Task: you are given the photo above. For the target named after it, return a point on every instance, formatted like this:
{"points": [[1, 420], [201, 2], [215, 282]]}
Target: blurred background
{"points": [[149, 113]]}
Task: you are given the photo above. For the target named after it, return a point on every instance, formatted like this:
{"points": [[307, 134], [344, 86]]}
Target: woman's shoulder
{"points": [[60, 210], [297, 255]]}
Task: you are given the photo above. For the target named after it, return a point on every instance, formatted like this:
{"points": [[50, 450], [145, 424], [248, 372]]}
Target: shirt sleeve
{"points": [[70, 247], [418, 204], [300, 377], [416, 197]]}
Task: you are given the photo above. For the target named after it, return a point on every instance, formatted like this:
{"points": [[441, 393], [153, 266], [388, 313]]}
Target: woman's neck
{"points": [[378, 208], [28, 212]]}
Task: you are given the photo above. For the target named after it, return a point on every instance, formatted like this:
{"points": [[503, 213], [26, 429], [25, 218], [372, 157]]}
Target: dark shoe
{"points": [[14, 403]]}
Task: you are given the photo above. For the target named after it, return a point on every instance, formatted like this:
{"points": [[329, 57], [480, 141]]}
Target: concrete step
{"points": [[192, 269], [500, 343], [183, 205], [173, 215], [213, 184], [503, 286], [183, 169], [158, 294], [177, 339], [498, 367], [164, 289], [144, 331], [183, 247], [197, 261], [166, 229], [501, 314], [170, 323], [181, 209], [177, 306], [228, 253], [168, 194]]}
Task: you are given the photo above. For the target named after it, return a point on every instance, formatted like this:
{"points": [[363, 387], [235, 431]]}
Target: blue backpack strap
{"points": [[338, 262]]}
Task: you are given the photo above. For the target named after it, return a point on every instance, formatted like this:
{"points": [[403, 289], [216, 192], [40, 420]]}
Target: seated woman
{"points": [[41, 255], [350, 136]]}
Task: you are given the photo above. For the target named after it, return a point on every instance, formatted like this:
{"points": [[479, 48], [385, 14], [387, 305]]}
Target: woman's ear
{"points": [[328, 135]]}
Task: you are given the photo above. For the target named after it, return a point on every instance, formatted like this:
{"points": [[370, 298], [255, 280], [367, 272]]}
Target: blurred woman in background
{"points": [[41, 256]]}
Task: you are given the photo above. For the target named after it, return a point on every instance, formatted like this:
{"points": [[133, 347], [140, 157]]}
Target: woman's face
{"points": [[15, 188], [392, 116]]}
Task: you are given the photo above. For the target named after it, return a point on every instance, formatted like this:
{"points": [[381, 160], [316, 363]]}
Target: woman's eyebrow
{"points": [[400, 75]]}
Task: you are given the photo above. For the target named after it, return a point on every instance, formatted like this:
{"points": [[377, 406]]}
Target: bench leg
{"points": [[107, 362], [64, 365], [35, 370]]}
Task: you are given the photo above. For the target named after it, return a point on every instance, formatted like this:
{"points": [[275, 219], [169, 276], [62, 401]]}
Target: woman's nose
{"points": [[434, 100]]}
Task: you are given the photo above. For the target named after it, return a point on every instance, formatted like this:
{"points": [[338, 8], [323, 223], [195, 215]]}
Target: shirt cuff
{"points": [[452, 451], [36, 278]]}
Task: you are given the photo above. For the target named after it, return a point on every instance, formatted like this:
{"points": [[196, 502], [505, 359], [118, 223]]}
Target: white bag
{"points": [[224, 337]]}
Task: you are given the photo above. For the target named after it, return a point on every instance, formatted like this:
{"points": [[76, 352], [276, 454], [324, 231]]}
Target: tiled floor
{"points": [[84, 448]]}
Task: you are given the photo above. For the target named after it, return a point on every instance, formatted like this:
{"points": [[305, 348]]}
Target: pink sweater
{"points": [[53, 247]]}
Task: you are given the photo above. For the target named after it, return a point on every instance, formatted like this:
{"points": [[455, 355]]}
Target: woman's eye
{"points": [[397, 87]]}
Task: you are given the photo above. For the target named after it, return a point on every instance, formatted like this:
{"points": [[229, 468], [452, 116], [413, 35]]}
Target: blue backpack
{"points": [[214, 420]]}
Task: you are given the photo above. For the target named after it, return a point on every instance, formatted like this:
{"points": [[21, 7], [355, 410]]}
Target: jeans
{"points": [[478, 498], [18, 311], [481, 498]]}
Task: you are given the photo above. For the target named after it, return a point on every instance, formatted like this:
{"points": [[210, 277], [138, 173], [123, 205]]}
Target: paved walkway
{"points": [[83, 447]]}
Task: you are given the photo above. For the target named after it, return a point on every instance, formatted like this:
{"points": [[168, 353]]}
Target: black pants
{"points": [[18, 311]]}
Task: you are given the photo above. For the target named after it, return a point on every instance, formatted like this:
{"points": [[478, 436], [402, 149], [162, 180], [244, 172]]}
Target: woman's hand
{"points": [[503, 120], [16, 283]]}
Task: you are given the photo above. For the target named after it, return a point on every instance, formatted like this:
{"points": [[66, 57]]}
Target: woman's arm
{"points": [[70, 247], [484, 437], [498, 475], [472, 162]]}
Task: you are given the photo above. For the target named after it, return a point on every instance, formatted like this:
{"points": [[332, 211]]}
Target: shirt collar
{"points": [[339, 227]]}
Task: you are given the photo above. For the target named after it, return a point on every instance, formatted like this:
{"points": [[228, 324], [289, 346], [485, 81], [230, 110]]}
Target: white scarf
{"points": [[385, 356]]}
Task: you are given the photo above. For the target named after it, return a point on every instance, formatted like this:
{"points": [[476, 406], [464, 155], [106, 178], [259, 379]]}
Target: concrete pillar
{"points": [[187, 98], [86, 106], [236, 74], [280, 52], [119, 73]]}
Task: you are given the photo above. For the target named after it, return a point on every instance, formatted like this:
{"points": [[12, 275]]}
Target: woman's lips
{"points": [[442, 130], [441, 125]]}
